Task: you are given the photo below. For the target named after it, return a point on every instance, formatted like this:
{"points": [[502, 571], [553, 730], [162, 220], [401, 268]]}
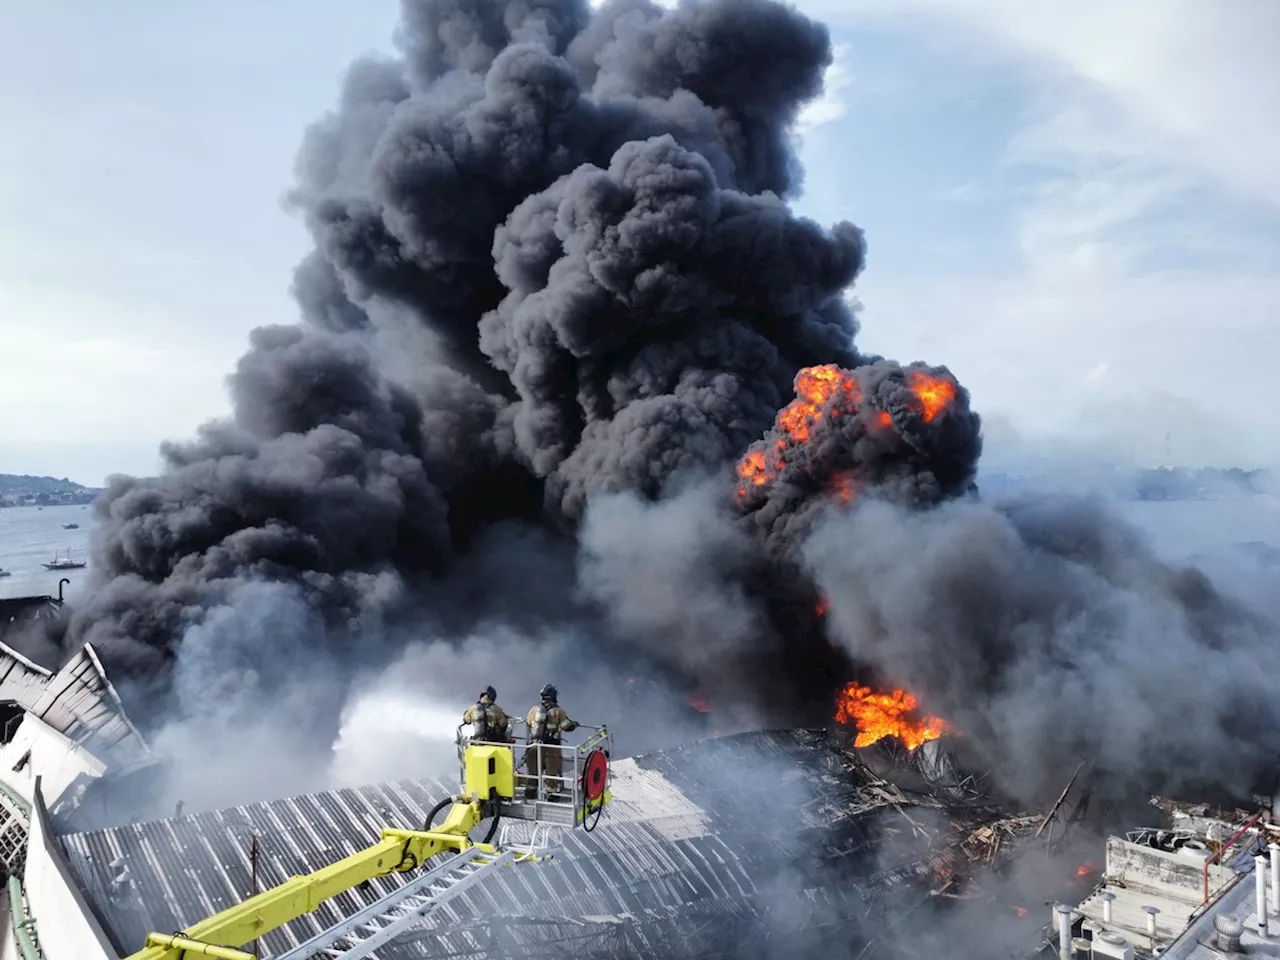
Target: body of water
{"points": [[30, 536]]}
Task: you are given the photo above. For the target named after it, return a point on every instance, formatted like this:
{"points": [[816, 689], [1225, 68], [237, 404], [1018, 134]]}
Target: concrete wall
{"points": [[66, 927], [54, 758], [1172, 874]]}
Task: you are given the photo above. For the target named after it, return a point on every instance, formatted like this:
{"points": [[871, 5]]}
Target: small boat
{"points": [[65, 563], [71, 526], [5, 573]]}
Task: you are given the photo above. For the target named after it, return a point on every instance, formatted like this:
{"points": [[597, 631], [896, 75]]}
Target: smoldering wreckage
{"points": [[569, 370]]}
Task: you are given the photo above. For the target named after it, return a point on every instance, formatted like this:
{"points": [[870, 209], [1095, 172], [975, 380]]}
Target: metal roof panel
{"points": [[675, 843]]}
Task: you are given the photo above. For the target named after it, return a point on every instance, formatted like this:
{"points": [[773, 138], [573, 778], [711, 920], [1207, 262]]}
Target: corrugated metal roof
{"points": [[677, 843], [21, 680], [1200, 940], [78, 701]]}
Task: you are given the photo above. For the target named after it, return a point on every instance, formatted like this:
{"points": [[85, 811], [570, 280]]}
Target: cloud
{"points": [[1169, 68], [832, 105], [1130, 211], [1132, 199]]}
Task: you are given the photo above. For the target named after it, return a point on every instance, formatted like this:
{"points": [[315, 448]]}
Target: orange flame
{"points": [[1085, 869], [880, 715], [701, 704], [842, 487], [934, 393], [828, 391], [816, 388], [1021, 911], [821, 607]]}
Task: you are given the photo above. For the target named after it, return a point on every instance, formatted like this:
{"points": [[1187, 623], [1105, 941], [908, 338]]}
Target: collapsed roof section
{"points": [[78, 701], [707, 846]]}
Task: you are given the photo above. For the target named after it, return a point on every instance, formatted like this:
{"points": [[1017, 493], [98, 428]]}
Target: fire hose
{"points": [[448, 802]]}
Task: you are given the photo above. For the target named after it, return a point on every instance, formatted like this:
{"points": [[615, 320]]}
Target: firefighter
{"points": [[489, 721], [547, 723]]}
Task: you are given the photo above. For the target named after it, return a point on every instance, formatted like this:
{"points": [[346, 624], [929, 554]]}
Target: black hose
{"points": [[586, 806], [407, 860], [446, 802], [449, 801]]}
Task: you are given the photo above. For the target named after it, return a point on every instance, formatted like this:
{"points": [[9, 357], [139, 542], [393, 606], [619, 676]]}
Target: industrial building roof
{"points": [[1199, 942], [686, 846], [1162, 888], [78, 701], [21, 681]]}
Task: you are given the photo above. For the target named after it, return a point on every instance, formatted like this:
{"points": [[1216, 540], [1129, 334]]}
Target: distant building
{"points": [[27, 491]]}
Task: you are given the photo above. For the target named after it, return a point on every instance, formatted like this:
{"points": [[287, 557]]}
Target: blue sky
{"points": [[1076, 206]]}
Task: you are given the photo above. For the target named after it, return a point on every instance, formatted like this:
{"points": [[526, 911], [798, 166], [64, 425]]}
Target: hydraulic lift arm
{"points": [[489, 785], [489, 773]]}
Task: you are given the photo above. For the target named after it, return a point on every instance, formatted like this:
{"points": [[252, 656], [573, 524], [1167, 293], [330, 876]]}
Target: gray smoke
{"points": [[555, 293], [1048, 632]]}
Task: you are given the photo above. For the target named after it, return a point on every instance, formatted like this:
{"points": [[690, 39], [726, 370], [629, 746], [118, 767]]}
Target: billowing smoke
{"points": [[1049, 632], [556, 295], [651, 316], [551, 261]]}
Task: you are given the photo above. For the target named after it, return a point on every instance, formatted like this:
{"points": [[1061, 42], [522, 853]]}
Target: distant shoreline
{"points": [[22, 490], [10, 505]]}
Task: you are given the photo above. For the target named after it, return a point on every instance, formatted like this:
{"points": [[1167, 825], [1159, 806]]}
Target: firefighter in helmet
{"points": [[547, 724], [489, 721]]}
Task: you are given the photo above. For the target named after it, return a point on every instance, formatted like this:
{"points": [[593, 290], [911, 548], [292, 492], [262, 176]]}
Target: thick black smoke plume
{"points": [[552, 261], [554, 286]]}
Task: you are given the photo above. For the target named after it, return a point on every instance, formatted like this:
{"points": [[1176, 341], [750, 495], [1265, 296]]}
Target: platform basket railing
{"points": [[565, 790]]}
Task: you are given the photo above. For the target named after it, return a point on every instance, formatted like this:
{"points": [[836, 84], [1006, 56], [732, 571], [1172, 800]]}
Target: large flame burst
{"points": [[880, 715], [829, 392]]}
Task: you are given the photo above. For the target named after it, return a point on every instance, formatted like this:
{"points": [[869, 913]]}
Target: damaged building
{"points": [[748, 845]]}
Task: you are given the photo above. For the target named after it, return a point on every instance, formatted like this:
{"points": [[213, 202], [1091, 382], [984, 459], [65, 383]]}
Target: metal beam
{"points": [[395, 913], [24, 925], [398, 851]]}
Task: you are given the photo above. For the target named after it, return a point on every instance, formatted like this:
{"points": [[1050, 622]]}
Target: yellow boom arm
{"points": [[489, 774]]}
